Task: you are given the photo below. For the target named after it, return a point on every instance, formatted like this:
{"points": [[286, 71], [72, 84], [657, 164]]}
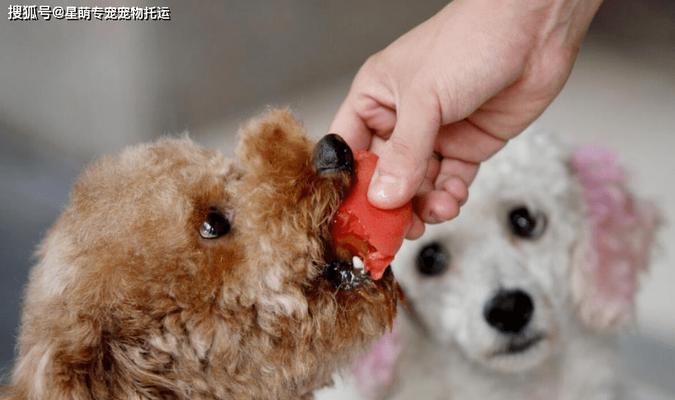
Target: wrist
{"points": [[566, 20]]}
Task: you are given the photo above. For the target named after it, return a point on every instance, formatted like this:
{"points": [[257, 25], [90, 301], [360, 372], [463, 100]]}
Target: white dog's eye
{"points": [[525, 225], [214, 226], [433, 259]]}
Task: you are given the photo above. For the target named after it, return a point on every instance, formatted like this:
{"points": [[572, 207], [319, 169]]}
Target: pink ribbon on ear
{"points": [[375, 371], [621, 230]]}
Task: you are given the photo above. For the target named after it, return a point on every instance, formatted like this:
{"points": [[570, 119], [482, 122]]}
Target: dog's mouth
{"points": [[349, 275], [346, 274], [345, 270], [519, 344]]}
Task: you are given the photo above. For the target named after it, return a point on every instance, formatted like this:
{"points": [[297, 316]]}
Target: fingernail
{"points": [[432, 218], [457, 189], [385, 189]]}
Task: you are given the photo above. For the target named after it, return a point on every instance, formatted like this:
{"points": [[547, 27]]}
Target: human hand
{"points": [[451, 92]]}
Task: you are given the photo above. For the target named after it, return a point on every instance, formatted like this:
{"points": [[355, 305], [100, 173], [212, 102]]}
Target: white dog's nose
{"points": [[509, 311]]}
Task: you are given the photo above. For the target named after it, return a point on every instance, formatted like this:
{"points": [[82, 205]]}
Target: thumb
{"points": [[405, 156]]}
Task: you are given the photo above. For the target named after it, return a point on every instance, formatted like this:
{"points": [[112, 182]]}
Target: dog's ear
{"points": [[616, 244], [274, 144]]}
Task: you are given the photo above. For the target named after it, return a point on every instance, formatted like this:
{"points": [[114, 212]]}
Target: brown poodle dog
{"points": [[175, 273]]}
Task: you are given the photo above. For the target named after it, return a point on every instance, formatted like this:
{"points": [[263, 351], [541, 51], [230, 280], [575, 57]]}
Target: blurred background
{"points": [[73, 90]]}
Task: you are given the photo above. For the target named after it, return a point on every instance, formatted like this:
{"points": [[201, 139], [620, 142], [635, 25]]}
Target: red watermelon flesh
{"points": [[363, 230]]}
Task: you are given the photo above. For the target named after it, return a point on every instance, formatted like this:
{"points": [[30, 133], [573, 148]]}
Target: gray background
{"points": [[70, 91]]}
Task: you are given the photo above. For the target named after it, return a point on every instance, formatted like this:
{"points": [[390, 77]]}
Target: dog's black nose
{"points": [[509, 311], [332, 154]]}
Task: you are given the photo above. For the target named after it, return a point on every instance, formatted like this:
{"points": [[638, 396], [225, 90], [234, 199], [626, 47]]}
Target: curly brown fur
{"points": [[129, 302]]}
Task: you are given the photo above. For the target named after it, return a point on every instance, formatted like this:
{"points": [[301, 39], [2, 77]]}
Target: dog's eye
{"points": [[525, 225], [214, 226], [432, 259]]}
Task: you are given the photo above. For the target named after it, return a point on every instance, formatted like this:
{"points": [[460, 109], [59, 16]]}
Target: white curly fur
{"points": [[449, 351]]}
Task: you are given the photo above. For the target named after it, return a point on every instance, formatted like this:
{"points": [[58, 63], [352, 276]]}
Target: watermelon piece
{"points": [[363, 230]]}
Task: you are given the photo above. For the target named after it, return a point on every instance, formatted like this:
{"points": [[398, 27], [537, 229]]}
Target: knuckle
{"points": [[372, 65]]}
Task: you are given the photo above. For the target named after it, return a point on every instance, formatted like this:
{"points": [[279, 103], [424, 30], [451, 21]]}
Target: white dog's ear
{"points": [[616, 244]]}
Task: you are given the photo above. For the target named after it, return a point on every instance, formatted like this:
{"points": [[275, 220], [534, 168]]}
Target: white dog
{"points": [[520, 297]]}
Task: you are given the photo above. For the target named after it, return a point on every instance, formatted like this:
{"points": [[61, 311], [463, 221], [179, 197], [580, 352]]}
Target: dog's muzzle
{"points": [[333, 155], [509, 311]]}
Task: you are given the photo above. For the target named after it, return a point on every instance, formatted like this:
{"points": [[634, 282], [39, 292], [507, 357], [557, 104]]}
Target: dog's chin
{"points": [[519, 353]]}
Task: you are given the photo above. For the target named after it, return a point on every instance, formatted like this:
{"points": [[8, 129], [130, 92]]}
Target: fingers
{"points": [[433, 168], [451, 168], [463, 146], [456, 187], [359, 118], [404, 140], [441, 200], [416, 228], [353, 129], [403, 161], [436, 206]]}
